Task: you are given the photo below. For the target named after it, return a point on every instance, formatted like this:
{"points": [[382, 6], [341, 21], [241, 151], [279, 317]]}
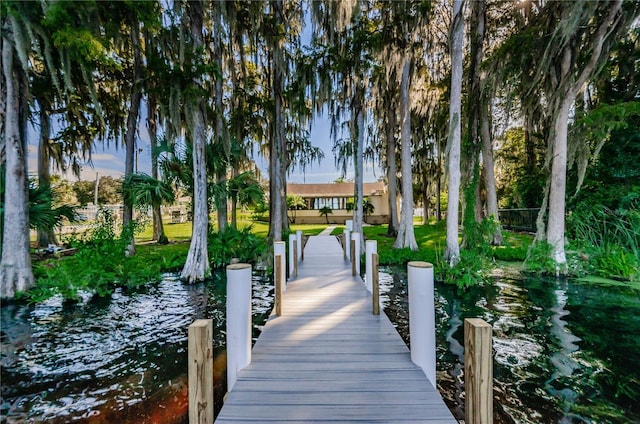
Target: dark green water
{"points": [[564, 351]]}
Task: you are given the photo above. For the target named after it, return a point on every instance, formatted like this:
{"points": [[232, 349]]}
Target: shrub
{"points": [[97, 268], [233, 243]]}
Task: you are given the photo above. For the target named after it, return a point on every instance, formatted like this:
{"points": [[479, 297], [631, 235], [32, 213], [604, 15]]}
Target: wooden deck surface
{"points": [[328, 359]]}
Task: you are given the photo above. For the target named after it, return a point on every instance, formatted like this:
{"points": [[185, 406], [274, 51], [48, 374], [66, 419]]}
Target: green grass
{"points": [[175, 232], [182, 231], [430, 240]]}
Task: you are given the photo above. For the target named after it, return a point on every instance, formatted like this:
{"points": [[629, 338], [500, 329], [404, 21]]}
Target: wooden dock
{"points": [[328, 359]]}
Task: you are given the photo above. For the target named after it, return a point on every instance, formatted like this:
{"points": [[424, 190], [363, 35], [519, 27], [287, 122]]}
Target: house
{"points": [[336, 196]]}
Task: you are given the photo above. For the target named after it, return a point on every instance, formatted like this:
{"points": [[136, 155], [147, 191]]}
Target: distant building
{"points": [[336, 196]]}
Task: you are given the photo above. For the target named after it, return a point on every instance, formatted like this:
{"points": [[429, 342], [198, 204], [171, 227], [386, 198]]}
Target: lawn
{"points": [[182, 231]]}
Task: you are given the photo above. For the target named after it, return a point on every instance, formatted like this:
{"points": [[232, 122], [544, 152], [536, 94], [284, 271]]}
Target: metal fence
{"points": [[519, 219]]}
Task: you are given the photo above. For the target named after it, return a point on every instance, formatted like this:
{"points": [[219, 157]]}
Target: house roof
{"points": [[334, 189]]}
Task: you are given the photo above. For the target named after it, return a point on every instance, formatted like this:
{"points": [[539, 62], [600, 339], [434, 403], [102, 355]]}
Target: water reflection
{"points": [[563, 351], [121, 359]]}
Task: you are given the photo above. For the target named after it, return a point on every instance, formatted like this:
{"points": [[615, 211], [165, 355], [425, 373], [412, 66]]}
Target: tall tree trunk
{"points": [[452, 251], [472, 204], [489, 174], [15, 265], [234, 204], [276, 151], [46, 236], [158, 225], [197, 265], [358, 189], [439, 188], [406, 236], [425, 198], [132, 127], [557, 190], [221, 203], [392, 173]]}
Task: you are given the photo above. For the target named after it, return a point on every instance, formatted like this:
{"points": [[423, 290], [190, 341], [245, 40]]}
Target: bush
{"points": [[232, 243], [609, 238], [97, 268], [468, 272]]}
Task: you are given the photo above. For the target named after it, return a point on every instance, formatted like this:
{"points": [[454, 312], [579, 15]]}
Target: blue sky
{"points": [[110, 160]]}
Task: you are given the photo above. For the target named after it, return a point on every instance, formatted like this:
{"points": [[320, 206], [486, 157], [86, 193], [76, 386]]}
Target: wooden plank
{"points": [[200, 370], [329, 359], [478, 372], [278, 288], [375, 286]]}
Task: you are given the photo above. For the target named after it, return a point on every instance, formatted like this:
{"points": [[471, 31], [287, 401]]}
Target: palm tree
{"points": [[141, 190], [245, 189], [295, 202], [367, 208], [42, 214], [325, 211]]}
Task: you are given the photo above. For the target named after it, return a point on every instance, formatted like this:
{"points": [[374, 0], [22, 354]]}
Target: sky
{"points": [[110, 160]]}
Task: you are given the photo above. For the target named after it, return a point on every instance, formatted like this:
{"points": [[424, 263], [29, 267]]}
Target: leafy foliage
{"points": [[98, 267], [610, 237], [539, 259], [325, 211], [141, 190], [232, 243]]}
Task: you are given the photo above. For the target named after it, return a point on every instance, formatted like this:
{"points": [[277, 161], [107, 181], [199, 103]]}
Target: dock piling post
{"points": [[295, 260], [371, 247], [238, 320], [478, 372], [355, 236], [200, 369], [347, 244], [353, 255], [278, 268], [300, 248], [422, 320], [375, 285], [280, 249], [292, 257]]}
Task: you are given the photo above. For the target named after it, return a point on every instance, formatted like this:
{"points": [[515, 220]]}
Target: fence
{"points": [[519, 219]]}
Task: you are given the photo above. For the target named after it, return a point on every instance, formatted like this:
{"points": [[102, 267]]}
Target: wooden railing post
{"points": [[300, 247], [478, 372], [347, 244], [292, 258], [371, 247], [422, 318], [295, 260], [375, 285], [200, 369], [280, 249], [356, 252], [353, 257], [277, 264], [238, 320]]}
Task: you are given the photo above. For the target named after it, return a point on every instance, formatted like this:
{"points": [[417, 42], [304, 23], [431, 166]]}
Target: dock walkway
{"points": [[328, 359]]}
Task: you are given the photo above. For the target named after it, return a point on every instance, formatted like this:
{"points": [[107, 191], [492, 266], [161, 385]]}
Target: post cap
{"points": [[420, 264], [235, 267]]}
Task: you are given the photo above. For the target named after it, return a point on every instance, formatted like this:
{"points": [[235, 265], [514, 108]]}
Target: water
{"points": [[565, 352], [121, 359]]}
